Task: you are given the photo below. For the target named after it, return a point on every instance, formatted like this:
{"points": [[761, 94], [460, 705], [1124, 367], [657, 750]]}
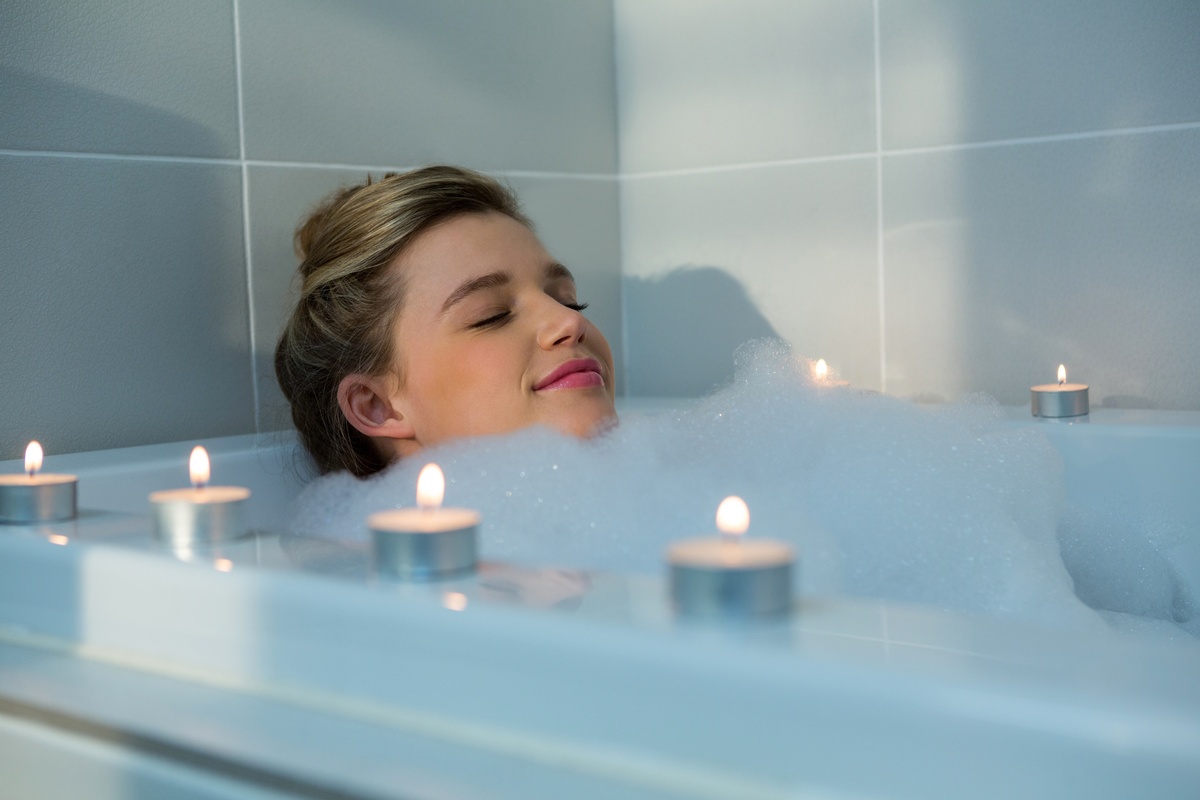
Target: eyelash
{"points": [[496, 320]]}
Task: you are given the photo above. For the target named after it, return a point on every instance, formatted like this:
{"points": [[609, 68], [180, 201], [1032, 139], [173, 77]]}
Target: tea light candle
{"points": [[427, 542], [1059, 400], [202, 514], [730, 577], [35, 497], [821, 375]]}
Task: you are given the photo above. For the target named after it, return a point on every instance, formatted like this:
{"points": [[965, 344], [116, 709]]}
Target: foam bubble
{"points": [[948, 505]]}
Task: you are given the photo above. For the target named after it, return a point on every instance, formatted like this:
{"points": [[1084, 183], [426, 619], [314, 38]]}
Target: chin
{"points": [[586, 425]]}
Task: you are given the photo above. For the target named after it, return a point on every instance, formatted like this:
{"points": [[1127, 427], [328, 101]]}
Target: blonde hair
{"points": [[349, 298]]}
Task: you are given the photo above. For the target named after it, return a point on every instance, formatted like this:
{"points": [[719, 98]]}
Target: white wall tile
{"points": [[517, 85], [704, 83], [123, 304], [1003, 262], [715, 259], [124, 76], [961, 72], [279, 198]]}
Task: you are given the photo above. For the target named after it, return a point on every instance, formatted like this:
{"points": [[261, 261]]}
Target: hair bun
{"points": [[310, 231]]}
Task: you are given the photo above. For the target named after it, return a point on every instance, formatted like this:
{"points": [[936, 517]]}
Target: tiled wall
{"points": [[155, 156], [937, 196]]}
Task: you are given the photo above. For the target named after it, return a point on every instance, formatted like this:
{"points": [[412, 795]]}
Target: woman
{"points": [[430, 311]]}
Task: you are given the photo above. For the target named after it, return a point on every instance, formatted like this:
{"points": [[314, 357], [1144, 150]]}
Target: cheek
{"points": [[600, 344], [490, 364], [456, 375]]}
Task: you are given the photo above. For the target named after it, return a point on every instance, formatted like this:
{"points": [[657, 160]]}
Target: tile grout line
{"points": [[887, 635], [1078, 136], [883, 382], [598, 176], [623, 371], [745, 165], [245, 170], [879, 150], [229, 162], [254, 162]]}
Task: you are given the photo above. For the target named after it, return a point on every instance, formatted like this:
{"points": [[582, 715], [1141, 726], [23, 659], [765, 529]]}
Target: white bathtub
{"points": [[284, 668]]}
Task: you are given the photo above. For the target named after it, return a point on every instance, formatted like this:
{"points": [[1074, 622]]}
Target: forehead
{"points": [[468, 246]]}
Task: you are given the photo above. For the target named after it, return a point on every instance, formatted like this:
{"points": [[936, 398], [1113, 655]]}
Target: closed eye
{"points": [[503, 316], [493, 321]]}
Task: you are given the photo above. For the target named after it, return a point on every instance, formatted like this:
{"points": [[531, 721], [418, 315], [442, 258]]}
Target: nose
{"points": [[560, 326]]}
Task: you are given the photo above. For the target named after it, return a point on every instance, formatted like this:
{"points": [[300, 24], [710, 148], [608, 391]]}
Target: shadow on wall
{"points": [[687, 324], [48, 114]]}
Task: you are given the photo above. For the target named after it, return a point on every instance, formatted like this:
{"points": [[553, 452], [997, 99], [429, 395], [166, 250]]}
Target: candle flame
{"points": [[33, 458], [821, 370], [431, 486], [1062, 374], [198, 467], [733, 516], [455, 601]]}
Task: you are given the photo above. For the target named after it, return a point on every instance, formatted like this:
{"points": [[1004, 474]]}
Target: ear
{"points": [[367, 405]]}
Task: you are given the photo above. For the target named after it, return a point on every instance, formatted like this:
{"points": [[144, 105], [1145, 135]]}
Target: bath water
{"points": [[945, 505]]}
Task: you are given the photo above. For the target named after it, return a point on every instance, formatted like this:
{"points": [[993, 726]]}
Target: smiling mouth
{"points": [[579, 373]]}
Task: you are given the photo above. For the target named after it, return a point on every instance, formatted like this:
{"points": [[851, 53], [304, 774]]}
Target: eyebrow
{"points": [[469, 287], [494, 280], [557, 271]]}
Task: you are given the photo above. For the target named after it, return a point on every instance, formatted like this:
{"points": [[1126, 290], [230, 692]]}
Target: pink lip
{"points": [[578, 373]]}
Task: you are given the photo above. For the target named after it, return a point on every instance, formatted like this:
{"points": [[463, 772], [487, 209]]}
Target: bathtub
{"points": [[284, 667]]}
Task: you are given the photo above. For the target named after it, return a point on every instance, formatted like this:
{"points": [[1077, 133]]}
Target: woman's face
{"points": [[491, 339]]}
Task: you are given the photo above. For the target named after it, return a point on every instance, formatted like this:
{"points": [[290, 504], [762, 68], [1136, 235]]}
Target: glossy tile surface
{"points": [[961, 72], [711, 83], [126, 76], [124, 303], [714, 260], [1002, 263], [526, 84]]}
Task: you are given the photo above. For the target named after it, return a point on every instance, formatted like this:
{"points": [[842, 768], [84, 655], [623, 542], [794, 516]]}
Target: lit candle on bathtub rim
{"points": [[730, 576], [200, 515], [1060, 400], [427, 542], [36, 496], [822, 377]]}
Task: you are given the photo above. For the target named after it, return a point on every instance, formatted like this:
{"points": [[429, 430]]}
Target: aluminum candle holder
{"points": [[1059, 400], [199, 516], [419, 545], [428, 542], [727, 577], [36, 497]]}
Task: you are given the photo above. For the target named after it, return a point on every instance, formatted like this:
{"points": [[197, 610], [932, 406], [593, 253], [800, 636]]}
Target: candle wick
{"points": [[199, 484], [32, 471], [1064, 380]]}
